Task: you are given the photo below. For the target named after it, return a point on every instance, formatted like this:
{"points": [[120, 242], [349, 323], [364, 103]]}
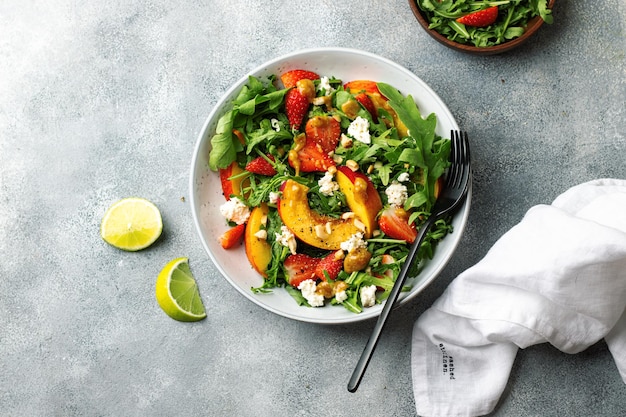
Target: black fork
{"points": [[450, 198]]}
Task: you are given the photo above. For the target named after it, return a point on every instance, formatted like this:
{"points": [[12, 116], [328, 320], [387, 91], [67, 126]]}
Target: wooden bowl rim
{"points": [[533, 25]]}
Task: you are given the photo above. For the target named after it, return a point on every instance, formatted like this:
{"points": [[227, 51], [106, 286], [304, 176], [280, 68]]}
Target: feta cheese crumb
{"points": [[274, 197], [396, 194], [354, 242], [308, 287], [275, 124], [368, 295], [235, 211], [327, 185], [341, 296], [325, 85], [359, 130], [404, 177], [286, 238]]}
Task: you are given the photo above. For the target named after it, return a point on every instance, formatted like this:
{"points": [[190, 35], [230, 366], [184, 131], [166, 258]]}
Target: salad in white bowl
{"points": [[319, 176]]}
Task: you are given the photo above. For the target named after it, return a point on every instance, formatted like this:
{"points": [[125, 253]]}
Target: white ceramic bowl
{"points": [[206, 193]]}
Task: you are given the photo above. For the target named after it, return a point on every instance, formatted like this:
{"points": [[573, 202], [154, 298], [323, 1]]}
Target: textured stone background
{"points": [[104, 100]]}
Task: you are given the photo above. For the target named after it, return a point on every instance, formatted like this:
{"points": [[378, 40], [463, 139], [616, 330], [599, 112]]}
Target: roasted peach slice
{"points": [[231, 186], [309, 226], [361, 196], [258, 250]]}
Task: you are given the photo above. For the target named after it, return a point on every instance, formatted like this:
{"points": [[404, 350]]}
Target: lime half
{"points": [[131, 224], [177, 292]]}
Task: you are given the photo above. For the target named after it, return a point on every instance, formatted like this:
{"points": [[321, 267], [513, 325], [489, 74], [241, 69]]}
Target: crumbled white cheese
{"points": [[396, 194], [286, 238], [354, 242], [341, 296], [359, 130], [235, 211], [274, 197], [325, 85], [404, 177], [275, 124], [327, 185], [308, 287], [368, 295]]}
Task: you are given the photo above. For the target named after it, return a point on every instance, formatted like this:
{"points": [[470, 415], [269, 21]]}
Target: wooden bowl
{"points": [[533, 25]]}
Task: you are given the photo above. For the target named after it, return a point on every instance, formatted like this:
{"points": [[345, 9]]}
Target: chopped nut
{"points": [[292, 246], [347, 215], [339, 255], [319, 101], [346, 141], [261, 234], [321, 232], [370, 169], [328, 228], [337, 159], [325, 289], [359, 225], [352, 164], [264, 220], [332, 170], [340, 286]]}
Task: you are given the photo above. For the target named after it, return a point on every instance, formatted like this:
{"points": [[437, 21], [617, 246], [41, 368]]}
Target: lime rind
{"points": [[177, 292], [131, 224]]}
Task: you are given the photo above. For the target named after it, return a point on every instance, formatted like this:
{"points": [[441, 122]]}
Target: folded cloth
{"points": [[559, 276]]}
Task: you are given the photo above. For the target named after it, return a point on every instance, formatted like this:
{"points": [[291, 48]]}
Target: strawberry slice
{"points": [[359, 86], [367, 102], [325, 131], [261, 166], [232, 237], [290, 78], [311, 158], [300, 267], [296, 106], [393, 221], [332, 264], [480, 18]]}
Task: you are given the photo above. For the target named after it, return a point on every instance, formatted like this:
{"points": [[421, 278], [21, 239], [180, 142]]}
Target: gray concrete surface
{"points": [[103, 100]]}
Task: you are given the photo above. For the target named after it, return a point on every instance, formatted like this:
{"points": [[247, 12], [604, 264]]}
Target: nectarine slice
{"points": [[309, 226], [361, 196], [258, 251]]}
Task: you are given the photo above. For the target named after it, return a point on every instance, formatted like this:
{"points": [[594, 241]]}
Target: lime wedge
{"points": [[131, 224], [177, 292]]}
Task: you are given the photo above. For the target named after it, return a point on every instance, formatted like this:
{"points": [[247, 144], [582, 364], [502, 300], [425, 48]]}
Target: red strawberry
{"points": [[296, 106], [358, 86], [290, 78], [232, 237], [261, 166], [311, 158], [480, 18], [332, 264], [325, 131], [300, 267], [367, 102], [393, 221]]}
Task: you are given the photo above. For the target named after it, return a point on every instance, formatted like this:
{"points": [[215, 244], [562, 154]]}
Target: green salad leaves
{"points": [[257, 126], [513, 16]]}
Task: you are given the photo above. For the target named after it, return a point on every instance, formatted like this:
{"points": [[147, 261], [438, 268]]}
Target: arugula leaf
{"points": [[255, 102], [224, 145], [512, 19], [431, 159]]}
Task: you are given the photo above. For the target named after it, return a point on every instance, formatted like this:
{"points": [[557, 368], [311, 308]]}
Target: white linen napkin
{"points": [[559, 276]]}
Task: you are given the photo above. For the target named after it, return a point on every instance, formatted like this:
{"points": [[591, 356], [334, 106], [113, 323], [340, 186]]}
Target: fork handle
{"points": [[364, 360]]}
